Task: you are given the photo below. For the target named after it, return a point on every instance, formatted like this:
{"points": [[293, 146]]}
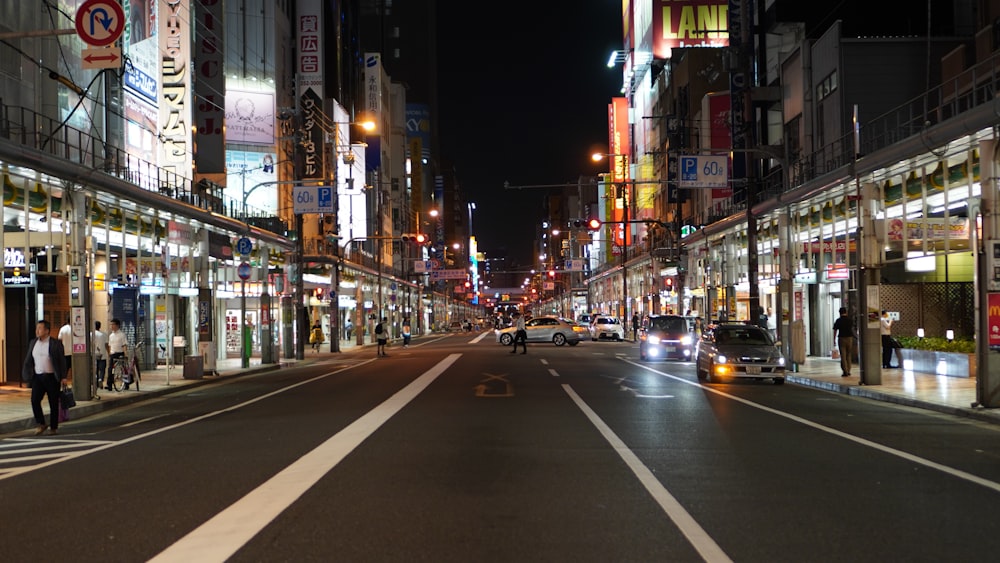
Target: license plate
{"points": [[753, 370], [670, 348]]}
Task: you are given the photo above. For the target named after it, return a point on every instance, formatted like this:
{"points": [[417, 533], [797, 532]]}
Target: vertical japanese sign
{"points": [[210, 87], [309, 31], [376, 95], [618, 143], [175, 78]]}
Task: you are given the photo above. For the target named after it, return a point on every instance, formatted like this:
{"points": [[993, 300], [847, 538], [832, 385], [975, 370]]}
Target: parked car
{"points": [[732, 351], [607, 327], [547, 329], [584, 319], [666, 336]]}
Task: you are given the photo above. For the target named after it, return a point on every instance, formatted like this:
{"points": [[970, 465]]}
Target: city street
{"points": [[451, 450]]}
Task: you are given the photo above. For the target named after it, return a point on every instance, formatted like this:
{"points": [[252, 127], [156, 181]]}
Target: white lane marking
{"points": [[544, 361], [156, 431], [993, 485], [553, 373], [228, 531], [480, 337], [696, 535], [141, 421]]}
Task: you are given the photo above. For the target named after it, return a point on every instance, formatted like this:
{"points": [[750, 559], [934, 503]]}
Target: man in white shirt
{"points": [[66, 337], [116, 346], [888, 343], [101, 353]]}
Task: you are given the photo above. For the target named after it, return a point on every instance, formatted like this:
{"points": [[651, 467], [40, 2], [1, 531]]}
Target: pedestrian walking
{"points": [[66, 338], [44, 369], [101, 353], [348, 329], [380, 338], [520, 334], [635, 326], [889, 343], [843, 332], [406, 332]]}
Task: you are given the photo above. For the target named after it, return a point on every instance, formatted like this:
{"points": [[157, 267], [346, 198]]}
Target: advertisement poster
{"points": [[79, 331], [994, 320]]}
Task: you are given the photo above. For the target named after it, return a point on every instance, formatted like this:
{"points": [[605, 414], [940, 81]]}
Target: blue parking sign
{"points": [[689, 168], [324, 197]]}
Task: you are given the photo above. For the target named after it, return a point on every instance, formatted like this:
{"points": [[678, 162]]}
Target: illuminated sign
{"points": [[14, 272], [689, 23], [175, 94]]}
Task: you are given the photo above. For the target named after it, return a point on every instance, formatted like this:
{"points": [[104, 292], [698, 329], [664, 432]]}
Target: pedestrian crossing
{"points": [[20, 455]]}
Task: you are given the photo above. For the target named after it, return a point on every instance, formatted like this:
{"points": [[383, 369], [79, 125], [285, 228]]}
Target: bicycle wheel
{"points": [[117, 376], [136, 375]]}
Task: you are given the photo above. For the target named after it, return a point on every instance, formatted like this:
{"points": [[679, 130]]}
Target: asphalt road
{"points": [[459, 451]]}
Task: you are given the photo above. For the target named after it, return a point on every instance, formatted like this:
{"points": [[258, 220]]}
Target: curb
{"points": [[96, 406], [867, 392]]}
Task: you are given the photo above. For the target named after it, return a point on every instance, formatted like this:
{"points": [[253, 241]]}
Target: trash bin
{"points": [[194, 367]]}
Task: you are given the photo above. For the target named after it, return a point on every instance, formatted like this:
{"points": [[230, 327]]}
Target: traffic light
{"points": [[669, 285], [552, 274], [416, 238], [594, 224]]}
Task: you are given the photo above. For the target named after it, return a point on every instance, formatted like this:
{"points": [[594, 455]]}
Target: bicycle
{"points": [[125, 371]]}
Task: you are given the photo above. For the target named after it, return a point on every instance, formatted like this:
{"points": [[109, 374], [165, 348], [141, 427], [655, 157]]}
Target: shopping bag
{"points": [[66, 399], [63, 414]]}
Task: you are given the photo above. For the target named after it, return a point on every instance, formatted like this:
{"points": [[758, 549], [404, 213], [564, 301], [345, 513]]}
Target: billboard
{"points": [[250, 117], [689, 23]]}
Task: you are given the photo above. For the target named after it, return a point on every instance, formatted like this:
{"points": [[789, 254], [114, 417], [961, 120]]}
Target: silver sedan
{"points": [[546, 329], [732, 351]]}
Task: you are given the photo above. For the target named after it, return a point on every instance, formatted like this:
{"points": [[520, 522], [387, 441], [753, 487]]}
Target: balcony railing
{"points": [[32, 129]]}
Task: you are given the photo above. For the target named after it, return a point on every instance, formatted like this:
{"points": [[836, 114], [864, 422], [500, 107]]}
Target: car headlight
{"points": [[781, 361], [686, 340], [721, 359], [654, 339]]}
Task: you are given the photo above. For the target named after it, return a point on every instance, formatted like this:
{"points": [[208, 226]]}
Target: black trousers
{"points": [[522, 337], [887, 348], [45, 384], [102, 368]]}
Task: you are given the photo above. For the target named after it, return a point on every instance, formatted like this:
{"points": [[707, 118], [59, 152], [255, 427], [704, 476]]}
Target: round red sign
{"points": [[100, 22]]}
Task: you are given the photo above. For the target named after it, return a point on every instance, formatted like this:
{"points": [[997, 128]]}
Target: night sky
{"points": [[523, 92]]}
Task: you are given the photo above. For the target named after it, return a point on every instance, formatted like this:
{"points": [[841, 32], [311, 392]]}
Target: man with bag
{"points": [[381, 338], [44, 369], [843, 332]]}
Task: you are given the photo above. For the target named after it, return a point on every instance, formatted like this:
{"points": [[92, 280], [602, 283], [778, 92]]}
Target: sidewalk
{"points": [[950, 395]]}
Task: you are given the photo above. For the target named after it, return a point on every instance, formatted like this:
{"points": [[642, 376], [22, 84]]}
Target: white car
{"points": [[607, 327], [545, 329]]}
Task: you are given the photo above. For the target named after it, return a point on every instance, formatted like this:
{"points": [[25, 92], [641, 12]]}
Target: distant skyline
{"points": [[523, 99]]}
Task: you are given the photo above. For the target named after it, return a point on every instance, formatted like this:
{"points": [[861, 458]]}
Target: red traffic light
{"points": [[594, 224], [669, 284], [552, 273]]}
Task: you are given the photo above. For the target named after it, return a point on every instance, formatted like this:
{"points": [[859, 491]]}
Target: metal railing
{"points": [[32, 129]]}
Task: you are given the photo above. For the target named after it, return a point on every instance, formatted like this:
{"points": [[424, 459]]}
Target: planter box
{"points": [[951, 364]]}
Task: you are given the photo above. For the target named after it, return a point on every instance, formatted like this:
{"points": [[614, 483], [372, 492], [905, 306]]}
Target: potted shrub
{"points": [[956, 358]]}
